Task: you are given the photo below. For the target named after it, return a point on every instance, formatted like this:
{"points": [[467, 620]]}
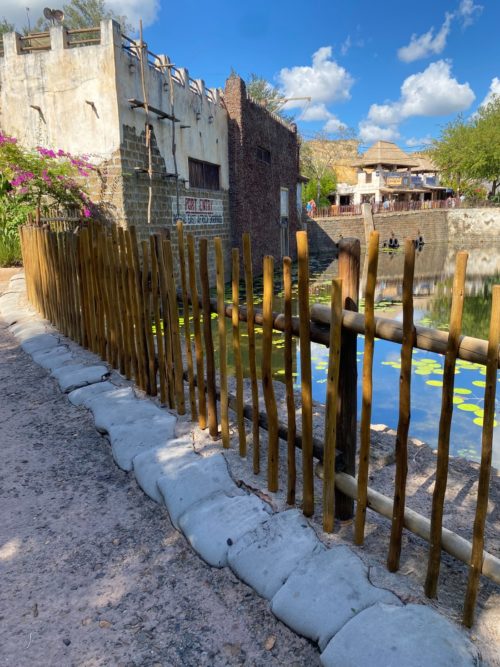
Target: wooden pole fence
{"points": [[97, 288]]}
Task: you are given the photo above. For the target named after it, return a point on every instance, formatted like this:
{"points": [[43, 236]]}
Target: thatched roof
{"points": [[386, 153], [425, 164], [346, 174]]}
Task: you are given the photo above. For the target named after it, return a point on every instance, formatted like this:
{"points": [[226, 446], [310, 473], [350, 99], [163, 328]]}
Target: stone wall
{"points": [[434, 226], [482, 223], [255, 182]]}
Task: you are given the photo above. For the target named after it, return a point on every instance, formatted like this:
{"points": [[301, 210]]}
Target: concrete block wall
{"points": [[432, 225]]}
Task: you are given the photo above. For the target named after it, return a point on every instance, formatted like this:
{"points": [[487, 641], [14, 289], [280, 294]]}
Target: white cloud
{"points": [[334, 125], [467, 11], [15, 10], [427, 44], [318, 112], [433, 92], [315, 112], [346, 45], [325, 81], [370, 132], [494, 90], [413, 142]]}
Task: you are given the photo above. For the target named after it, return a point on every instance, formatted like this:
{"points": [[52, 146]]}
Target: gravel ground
{"points": [[92, 571]]}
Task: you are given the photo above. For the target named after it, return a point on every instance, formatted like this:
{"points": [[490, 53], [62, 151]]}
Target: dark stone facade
{"points": [[255, 183]]}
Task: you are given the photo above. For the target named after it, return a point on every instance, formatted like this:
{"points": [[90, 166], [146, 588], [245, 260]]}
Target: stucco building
{"points": [[386, 173], [165, 146]]}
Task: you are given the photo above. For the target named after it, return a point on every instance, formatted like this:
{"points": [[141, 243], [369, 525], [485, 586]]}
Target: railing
{"points": [[95, 289], [39, 41], [334, 210], [132, 47], [83, 37], [402, 206]]}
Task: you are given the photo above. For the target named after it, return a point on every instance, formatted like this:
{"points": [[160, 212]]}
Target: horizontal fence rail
{"points": [[119, 298], [401, 207]]}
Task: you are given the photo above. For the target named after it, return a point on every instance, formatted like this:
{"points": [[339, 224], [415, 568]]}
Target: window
{"points": [[263, 155], [203, 175], [368, 178]]}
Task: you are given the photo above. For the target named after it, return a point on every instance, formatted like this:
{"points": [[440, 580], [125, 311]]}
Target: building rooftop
{"points": [[385, 153]]}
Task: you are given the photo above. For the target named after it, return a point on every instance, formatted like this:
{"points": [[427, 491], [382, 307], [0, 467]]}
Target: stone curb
{"points": [[321, 593]]}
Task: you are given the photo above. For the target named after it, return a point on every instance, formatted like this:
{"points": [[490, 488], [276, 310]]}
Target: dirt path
{"points": [[91, 570]]}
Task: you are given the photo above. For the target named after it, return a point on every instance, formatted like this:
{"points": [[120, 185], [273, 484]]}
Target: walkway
{"points": [[115, 576], [92, 571]]}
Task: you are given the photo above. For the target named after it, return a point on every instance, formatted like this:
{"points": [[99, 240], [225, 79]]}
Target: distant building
{"points": [[386, 173]]}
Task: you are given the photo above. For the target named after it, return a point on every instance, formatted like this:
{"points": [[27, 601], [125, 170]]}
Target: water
{"points": [[432, 300]]}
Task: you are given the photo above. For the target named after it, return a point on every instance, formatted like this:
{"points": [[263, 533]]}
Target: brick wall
{"points": [[123, 194], [255, 184]]}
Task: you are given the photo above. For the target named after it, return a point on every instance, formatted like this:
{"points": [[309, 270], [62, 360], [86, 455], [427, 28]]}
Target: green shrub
{"points": [[10, 251]]}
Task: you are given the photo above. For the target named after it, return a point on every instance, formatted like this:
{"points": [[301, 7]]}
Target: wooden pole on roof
{"points": [[142, 53]]}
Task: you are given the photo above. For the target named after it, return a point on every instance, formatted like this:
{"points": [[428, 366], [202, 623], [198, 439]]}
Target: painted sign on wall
{"points": [[199, 210], [394, 180]]}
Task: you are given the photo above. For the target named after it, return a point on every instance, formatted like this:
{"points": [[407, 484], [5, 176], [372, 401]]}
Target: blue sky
{"points": [[389, 70]]}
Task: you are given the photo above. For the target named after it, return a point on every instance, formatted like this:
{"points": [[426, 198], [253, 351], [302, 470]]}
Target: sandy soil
{"points": [[92, 571]]}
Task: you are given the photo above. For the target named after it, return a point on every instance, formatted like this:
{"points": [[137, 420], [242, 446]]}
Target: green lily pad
{"points": [[479, 383], [434, 383], [467, 407], [461, 390]]}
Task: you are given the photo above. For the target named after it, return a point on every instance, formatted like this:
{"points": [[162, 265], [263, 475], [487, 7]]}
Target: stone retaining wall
{"points": [[436, 226]]}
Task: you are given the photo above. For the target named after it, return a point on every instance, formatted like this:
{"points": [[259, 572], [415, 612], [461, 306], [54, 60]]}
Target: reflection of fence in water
{"points": [[94, 288]]}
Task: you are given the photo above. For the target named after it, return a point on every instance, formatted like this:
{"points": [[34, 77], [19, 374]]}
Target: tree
{"points": [[468, 152], [85, 14], [326, 183], [318, 159], [267, 95], [5, 26], [485, 154]]}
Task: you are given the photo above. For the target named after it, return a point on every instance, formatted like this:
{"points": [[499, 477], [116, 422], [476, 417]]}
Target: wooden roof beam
{"points": [[163, 115]]}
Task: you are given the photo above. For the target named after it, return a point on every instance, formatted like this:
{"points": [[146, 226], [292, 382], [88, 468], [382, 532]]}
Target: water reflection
{"points": [[432, 301]]}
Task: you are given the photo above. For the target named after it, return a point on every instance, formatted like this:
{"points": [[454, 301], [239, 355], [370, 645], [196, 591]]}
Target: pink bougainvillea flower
{"points": [[4, 139], [46, 152], [86, 212]]}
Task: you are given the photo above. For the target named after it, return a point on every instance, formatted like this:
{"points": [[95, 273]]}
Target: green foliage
{"points": [[327, 183], [10, 251], [468, 152], [267, 95], [477, 309], [36, 179], [5, 26], [317, 166]]}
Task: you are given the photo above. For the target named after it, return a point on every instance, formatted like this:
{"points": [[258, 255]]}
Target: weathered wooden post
{"points": [[349, 262]]}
